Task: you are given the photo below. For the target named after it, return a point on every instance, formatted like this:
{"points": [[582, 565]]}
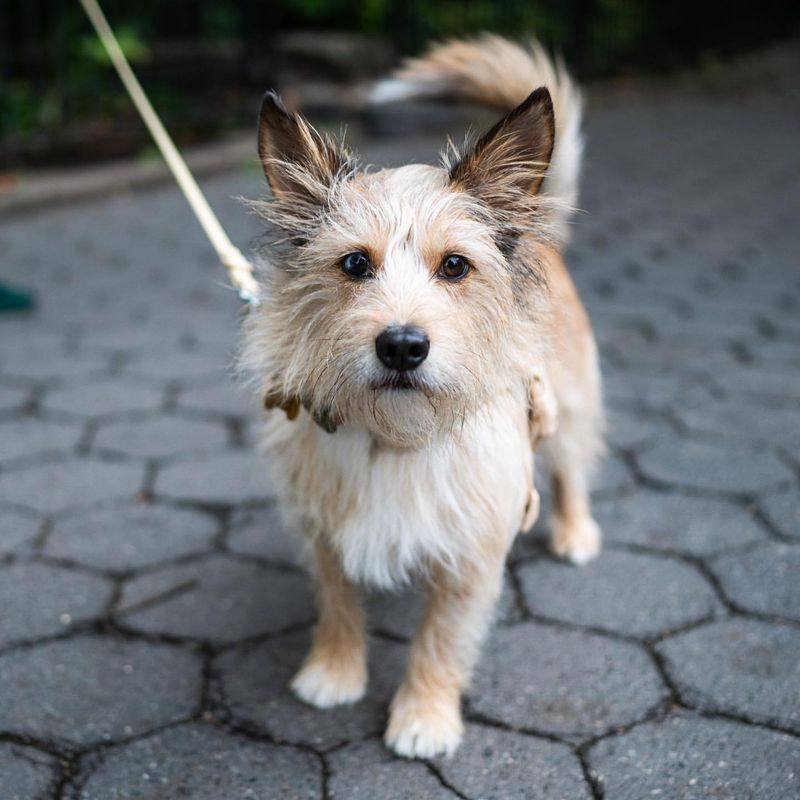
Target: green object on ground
{"points": [[12, 299]]}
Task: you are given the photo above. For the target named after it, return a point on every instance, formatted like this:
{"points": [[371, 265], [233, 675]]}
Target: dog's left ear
{"points": [[515, 153], [298, 162]]}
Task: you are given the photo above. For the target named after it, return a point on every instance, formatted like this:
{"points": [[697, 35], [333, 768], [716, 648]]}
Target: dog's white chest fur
{"points": [[389, 512]]}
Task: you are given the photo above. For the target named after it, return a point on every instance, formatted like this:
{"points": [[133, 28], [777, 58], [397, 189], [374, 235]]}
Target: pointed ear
{"points": [[515, 153], [297, 161]]}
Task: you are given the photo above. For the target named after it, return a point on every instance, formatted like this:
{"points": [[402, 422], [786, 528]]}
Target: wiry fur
{"points": [[432, 481], [491, 71]]}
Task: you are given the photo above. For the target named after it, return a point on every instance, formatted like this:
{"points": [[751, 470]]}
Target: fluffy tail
{"points": [[492, 71]]}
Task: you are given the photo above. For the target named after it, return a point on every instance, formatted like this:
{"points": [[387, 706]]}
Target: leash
{"points": [[239, 268]]}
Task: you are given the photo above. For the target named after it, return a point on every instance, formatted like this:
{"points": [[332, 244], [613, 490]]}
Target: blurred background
{"points": [[205, 64]]}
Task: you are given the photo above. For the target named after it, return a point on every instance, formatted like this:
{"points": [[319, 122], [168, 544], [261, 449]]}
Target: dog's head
{"points": [[398, 300]]}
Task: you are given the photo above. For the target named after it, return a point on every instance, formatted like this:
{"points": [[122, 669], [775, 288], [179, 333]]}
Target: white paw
{"points": [[417, 730], [578, 542], [323, 687]]}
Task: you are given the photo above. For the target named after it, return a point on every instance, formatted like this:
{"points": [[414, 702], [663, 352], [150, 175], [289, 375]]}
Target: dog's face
{"points": [[397, 300]]}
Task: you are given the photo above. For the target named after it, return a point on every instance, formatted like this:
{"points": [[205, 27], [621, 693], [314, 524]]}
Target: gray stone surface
{"points": [[89, 689], [222, 480], [217, 599], [783, 511], [677, 522], [765, 579], [25, 773], [400, 613], [17, 530], [261, 532], [627, 593], [686, 757], [536, 677], [614, 476], [159, 366], [740, 666], [62, 598], [255, 686], [499, 765], [726, 467], [29, 437], [128, 464], [161, 437], [70, 483], [365, 771], [202, 763], [130, 536], [109, 396], [226, 399], [13, 398]]}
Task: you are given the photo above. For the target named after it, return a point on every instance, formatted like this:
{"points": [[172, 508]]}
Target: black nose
{"points": [[402, 347]]}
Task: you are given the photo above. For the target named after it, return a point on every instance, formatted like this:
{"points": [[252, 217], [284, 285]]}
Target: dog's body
{"points": [[425, 317]]}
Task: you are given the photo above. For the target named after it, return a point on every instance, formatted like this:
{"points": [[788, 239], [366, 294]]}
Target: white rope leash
{"points": [[239, 268]]}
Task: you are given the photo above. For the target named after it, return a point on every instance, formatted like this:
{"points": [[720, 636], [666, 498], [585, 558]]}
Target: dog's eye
{"points": [[454, 267], [357, 265]]}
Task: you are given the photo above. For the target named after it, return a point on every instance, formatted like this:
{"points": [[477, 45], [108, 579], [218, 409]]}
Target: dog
{"points": [[421, 333]]}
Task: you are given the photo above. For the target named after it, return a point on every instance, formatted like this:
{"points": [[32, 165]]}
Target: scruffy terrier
{"points": [[421, 333]]}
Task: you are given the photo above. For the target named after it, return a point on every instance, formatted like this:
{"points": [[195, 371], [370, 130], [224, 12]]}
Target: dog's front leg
{"points": [[425, 715], [335, 670]]}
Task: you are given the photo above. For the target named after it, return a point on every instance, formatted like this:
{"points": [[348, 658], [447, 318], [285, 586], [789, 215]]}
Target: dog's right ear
{"points": [[298, 162]]}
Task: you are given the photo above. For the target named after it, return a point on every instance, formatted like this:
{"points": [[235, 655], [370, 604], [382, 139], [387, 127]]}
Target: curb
{"points": [[59, 187]]}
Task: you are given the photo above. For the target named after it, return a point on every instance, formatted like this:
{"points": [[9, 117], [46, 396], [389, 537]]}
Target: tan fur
{"points": [[335, 670], [431, 480]]}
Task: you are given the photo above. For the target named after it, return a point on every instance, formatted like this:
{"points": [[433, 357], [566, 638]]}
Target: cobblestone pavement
{"points": [[151, 611]]}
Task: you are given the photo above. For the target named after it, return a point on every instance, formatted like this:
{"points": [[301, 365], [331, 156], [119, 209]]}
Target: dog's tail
{"points": [[492, 71]]}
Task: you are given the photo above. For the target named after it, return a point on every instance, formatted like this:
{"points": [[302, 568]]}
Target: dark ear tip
{"points": [[538, 97], [271, 103]]}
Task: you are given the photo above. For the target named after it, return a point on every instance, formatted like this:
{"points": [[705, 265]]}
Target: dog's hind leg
{"points": [[425, 716], [571, 455], [335, 670]]}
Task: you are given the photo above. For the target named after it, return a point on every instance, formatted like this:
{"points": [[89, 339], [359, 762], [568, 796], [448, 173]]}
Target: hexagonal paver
{"points": [[733, 418], [70, 483], [613, 476], [217, 599], [721, 467], [497, 765], [677, 522], [177, 365], [226, 398], [17, 530], [99, 398], [568, 683], [765, 579], [86, 689], [28, 437], [203, 763], [366, 770], [60, 599], [255, 685], [261, 532], [783, 511], [41, 362], [629, 593], [400, 613], [27, 774], [685, 757], [130, 536], [741, 666], [631, 430], [13, 398], [162, 437], [224, 479]]}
